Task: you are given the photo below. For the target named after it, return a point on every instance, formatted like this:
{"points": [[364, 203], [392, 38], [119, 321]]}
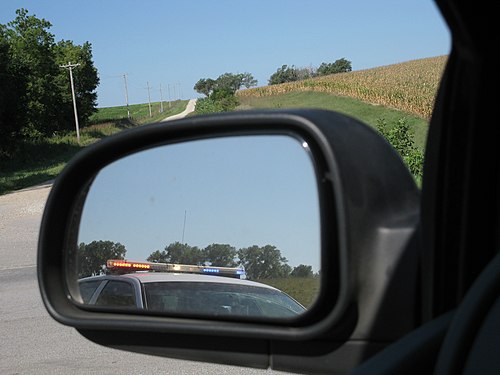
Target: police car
{"points": [[181, 289]]}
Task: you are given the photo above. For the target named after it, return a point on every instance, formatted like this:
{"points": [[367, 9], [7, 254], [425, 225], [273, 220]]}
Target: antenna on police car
{"points": [[184, 226]]}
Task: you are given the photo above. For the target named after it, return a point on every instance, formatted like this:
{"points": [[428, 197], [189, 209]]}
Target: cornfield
{"points": [[409, 86]]}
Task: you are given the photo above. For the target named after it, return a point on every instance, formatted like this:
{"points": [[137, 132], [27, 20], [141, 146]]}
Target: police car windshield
{"points": [[219, 299]]}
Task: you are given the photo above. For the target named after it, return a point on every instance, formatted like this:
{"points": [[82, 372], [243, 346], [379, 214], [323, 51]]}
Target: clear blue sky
{"points": [[178, 42], [241, 191]]}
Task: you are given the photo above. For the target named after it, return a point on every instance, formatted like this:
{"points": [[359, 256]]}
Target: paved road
{"points": [[31, 341]]}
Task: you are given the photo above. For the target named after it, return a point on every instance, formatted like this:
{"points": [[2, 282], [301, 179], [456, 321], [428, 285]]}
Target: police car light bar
{"points": [[123, 266]]}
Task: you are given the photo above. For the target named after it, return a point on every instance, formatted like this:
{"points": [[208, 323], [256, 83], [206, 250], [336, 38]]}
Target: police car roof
{"points": [[154, 277]]}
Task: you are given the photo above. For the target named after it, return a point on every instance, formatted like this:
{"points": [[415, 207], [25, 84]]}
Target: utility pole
{"points": [[126, 95], [149, 101], [169, 99], [161, 100], [70, 67]]}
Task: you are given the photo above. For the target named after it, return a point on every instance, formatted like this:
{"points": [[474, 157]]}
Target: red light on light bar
{"points": [[125, 264], [141, 265]]}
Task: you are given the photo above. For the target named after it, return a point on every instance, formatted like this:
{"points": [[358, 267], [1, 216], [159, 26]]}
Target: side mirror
{"points": [[255, 194]]}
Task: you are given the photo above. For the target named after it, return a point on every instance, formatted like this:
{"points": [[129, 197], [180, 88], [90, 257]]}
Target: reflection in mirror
{"points": [[219, 227]]}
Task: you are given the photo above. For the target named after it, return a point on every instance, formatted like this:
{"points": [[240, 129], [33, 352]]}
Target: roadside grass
{"points": [[41, 160], [366, 112], [139, 113], [303, 289]]}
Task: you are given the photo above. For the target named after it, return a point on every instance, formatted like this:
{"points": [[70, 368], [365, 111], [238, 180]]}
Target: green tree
{"points": [[231, 83], [339, 66], [85, 79], [220, 93], [11, 114], [284, 74], [263, 262], [157, 257], [220, 255], [92, 257], [247, 80], [178, 253], [205, 86], [40, 88], [302, 270], [33, 61]]}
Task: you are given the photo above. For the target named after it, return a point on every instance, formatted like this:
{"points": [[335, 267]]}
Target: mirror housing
{"points": [[369, 210]]}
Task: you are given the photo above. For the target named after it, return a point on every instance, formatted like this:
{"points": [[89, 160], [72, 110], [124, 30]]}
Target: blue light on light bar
{"points": [[240, 272], [211, 270]]}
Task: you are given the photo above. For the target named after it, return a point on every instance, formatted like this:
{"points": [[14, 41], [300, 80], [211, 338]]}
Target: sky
{"points": [[173, 44], [241, 191]]}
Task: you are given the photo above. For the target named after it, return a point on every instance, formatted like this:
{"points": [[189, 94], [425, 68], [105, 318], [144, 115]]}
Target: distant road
{"points": [[189, 108], [32, 342]]}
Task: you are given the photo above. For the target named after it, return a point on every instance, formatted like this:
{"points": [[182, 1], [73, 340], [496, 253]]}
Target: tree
{"points": [[11, 119], [86, 81], [178, 253], [221, 92], [157, 257], [31, 48], [225, 85], [92, 257], [339, 66], [205, 86], [40, 88], [263, 262], [247, 80], [302, 271], [284, 74], [220, 255]]}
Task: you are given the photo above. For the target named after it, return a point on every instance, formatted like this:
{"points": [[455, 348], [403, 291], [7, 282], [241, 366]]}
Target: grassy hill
{"points": [[303, 289], [139, 113], [409, 86]]}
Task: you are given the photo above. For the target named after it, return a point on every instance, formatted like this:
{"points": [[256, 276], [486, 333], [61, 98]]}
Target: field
{"points": [[409, 86], [304, 289]]}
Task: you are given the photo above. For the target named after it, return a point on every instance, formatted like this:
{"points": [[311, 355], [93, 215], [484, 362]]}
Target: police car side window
{"points": [[88, 288], [116, 293]]}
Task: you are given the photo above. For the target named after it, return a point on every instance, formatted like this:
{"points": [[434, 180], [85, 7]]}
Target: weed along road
{"points": [[32, 342]]}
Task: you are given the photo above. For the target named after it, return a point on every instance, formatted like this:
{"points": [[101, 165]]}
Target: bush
{"points": [[401, 138]]}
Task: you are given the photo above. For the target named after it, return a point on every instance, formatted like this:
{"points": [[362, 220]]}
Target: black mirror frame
{"points": [[357, 173]]}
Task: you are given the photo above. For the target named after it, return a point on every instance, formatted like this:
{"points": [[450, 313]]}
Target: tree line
{"points": [[259, 262], [291, 73], [220, 92], [35, 93]]}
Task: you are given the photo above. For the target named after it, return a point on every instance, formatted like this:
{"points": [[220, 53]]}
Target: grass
{"points": [[41, 160], [366, 112], [303, 289], [139, 113]]}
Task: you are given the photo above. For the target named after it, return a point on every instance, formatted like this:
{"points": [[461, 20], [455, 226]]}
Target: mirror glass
{"points": [[227, 226]]}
